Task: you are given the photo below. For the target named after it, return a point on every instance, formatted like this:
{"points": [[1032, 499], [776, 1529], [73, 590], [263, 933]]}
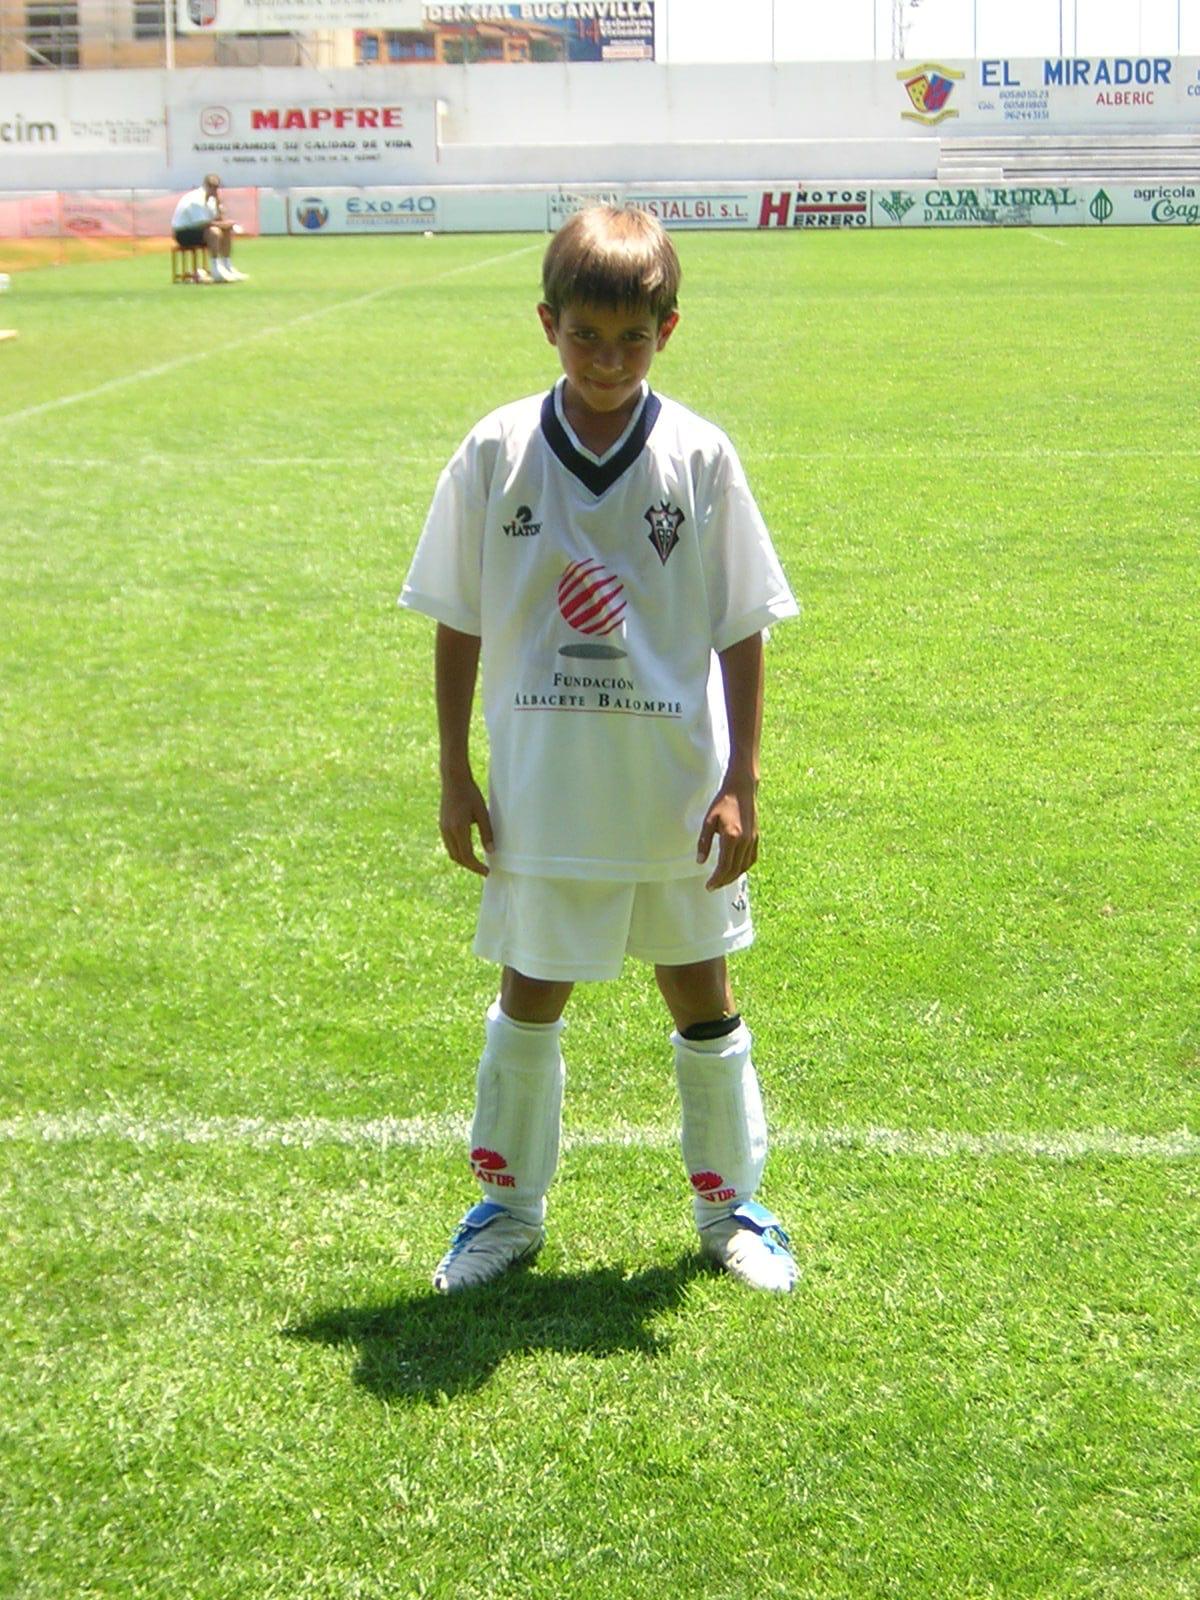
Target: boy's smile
{"points": [[605, 354]]}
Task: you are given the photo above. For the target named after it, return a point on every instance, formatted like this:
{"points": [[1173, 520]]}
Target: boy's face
{"points": [[606, 354]]}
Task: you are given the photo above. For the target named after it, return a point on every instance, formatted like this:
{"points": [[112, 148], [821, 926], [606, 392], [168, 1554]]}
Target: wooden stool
{"points": [[186, 263]]}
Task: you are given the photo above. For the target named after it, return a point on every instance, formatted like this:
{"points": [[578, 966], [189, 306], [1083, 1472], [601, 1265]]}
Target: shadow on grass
{"points": [[432, 1345]]}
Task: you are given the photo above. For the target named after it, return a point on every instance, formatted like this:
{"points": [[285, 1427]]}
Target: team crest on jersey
{"points": [[665, 521], [522, 525]]}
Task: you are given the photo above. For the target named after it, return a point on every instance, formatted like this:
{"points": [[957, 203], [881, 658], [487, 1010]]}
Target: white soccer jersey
{"points": [[601, 588]]}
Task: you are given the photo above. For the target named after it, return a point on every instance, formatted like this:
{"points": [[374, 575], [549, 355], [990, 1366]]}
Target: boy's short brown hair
{"points": [[612, 256]]}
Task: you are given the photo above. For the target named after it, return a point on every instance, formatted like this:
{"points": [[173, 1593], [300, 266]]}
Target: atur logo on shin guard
{"points": [[488, 1166], [712, 1186]]}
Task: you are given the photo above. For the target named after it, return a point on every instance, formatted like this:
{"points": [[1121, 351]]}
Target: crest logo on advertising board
{"points": [[929, 87], [1101, 207], [312, 213], [202, 13], [215, 121], [897, 205]]}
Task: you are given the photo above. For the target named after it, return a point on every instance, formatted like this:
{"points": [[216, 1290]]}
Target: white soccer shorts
{"points": [[570, 930]]}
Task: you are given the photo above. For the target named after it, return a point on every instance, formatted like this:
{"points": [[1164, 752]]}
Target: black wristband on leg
{"points": [[701, 1031]]}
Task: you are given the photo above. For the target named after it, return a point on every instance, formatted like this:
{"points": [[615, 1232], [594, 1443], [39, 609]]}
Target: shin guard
{"points": [[724, 1131], [518, 1108]]}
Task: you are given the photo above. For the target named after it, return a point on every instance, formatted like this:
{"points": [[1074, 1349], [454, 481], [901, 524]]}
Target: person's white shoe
{"points": [[487, 1242], [750, 1244], [232, 275]]}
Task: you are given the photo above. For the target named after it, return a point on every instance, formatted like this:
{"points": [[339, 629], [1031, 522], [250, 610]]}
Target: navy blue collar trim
{"points": [[598, 475]]}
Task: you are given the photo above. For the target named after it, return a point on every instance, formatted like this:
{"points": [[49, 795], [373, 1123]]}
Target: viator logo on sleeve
{"points": [[489, 1167], [711, 1186], [522, 525]]}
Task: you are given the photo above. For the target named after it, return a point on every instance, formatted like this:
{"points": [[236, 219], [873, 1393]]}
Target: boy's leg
{"points": [[515, 1133], [724, 1130], [724, 1133]]}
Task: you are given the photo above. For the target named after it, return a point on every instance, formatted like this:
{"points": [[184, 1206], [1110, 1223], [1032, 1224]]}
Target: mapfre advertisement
{"points": [[284, 142], [294, 16]]}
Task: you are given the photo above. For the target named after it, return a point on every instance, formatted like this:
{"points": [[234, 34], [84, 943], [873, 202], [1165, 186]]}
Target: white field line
{"points": [[161, 368], [448, 1132], [1047, 238]]}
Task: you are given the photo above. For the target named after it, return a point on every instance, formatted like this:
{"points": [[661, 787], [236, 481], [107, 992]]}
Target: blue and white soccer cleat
{"points": [[751, 1245], [487, 1242]]}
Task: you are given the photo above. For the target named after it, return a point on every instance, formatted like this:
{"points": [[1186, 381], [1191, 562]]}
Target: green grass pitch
{"points": [[239, 1017]]}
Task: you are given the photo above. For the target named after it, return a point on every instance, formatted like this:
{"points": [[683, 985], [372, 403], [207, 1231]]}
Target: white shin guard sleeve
{"points": [[724, 1130], [518, 1109]]}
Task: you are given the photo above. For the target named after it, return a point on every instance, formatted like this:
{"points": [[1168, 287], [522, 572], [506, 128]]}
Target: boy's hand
{"points": [[733, 819], [462, 808]]}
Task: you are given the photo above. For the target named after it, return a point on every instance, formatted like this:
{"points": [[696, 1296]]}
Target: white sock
{"points": [[724, 1131], [518, 1110]]}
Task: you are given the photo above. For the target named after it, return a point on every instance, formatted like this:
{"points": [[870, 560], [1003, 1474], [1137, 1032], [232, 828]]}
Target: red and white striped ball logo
{"points": [[591, 599]]}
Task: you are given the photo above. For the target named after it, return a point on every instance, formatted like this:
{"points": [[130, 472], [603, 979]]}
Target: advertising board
{"points": [[1046, 94], [1044, 205], [799, 207], [269, 140], [362, 211], [546, 30], [293, 16], [315, 210], [51, 116]]}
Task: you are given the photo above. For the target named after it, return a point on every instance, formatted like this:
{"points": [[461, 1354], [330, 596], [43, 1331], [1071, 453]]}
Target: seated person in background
{"points": [[199, 223]]}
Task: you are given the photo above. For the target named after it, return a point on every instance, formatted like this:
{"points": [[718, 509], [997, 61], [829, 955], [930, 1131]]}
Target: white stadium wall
{"points": [[471, 148], [642, 121]]}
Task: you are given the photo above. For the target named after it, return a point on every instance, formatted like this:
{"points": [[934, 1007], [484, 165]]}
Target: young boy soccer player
{"points": [[599, 548]]}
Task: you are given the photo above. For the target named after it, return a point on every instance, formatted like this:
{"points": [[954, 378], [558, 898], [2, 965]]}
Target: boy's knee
{"points": [[697, 993], [525, 999]]}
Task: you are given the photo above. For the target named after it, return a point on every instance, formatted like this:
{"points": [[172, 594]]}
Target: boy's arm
{"points": [[456, 662], [733, 815]]}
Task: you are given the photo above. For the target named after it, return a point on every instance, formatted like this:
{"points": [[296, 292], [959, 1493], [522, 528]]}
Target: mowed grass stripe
{"points": [[188, 358], [438, 1132], [183, 462]]}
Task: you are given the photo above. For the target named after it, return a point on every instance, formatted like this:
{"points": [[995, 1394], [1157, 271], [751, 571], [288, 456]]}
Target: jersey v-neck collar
{"points": [[598, 473]]}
